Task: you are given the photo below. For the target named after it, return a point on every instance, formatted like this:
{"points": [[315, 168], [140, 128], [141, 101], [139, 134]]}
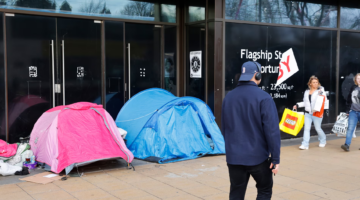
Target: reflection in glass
{"points": [[350, 18], [114, 44], [2, 85], [282, 12], [349, 65], [145, 56], [126, 9], [196, 13], [314, 52], [82, 59], [168, 13], [320, 60], [29, 81], [170, 59]]}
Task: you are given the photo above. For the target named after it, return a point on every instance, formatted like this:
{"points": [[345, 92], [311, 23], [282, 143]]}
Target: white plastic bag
{"points": [[18, 156], [327, 102], [7, 169], [326, 106], [341, 125], [318, 103], [26, 154]]}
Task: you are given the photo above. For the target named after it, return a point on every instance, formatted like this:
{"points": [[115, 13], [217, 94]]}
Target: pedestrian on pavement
{"points": [[250, 125], [353, 110], [309, 100]]}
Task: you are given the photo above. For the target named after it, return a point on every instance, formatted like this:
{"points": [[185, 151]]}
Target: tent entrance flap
{"points": [[210, 141]]}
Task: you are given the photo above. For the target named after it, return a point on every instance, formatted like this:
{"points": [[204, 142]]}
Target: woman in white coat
{"points": [[310, 96]]}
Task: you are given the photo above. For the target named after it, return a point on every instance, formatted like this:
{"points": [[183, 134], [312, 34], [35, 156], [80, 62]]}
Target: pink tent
{"points": [[76, 133]]}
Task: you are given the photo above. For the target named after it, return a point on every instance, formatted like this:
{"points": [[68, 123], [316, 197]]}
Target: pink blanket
{"points": [[7, 150]]}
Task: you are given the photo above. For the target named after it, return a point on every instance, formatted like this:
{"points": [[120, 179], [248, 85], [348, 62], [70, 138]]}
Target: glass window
{"points": [[196, 13], [126, 9], [145, 56], [168, 13], [195, 61], [350, 18], [114, 48], [349, 65], [170, 59], [2, 84], [282, 12], [314, 52], [196, 10]]}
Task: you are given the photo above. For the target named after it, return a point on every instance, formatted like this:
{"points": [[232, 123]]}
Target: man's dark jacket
{"points": [[250, 125]]}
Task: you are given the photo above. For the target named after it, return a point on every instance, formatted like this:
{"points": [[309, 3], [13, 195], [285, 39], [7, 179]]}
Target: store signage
{"points": [[255, 55], [287, 66], [33, 71], [80, 72], [195, 64]]}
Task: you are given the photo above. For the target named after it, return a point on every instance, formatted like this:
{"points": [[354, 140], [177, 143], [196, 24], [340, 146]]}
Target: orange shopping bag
{"points": [[319, 104], [291, 122]]}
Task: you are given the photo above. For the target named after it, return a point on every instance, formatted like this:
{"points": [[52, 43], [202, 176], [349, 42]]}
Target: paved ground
{"points": [[317, 173], [94, 167]]}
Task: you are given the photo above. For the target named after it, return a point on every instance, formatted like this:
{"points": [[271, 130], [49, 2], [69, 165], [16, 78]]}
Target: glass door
{"points": [[30, 71], [79, 44], [50, 62], [144, 57], [195, 60], [114, 55]]}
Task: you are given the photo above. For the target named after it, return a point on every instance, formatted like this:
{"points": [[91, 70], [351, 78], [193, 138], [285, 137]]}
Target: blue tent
{"points": [[164, 128]]}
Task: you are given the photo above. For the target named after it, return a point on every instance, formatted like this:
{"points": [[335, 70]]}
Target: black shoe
{"points": [[345, 147]]}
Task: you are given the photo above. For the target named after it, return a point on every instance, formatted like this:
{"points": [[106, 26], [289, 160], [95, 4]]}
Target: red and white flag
{"points": [[287, 66]]}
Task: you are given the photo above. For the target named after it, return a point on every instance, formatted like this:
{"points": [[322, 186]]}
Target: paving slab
{"points": [[316, 173]]}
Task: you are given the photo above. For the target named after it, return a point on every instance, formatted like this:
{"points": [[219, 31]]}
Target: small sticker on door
{"points": [[80, 72], [32, 71]]}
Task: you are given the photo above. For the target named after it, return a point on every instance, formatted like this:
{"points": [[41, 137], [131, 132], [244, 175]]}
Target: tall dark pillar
{"points": [[216, 88]]}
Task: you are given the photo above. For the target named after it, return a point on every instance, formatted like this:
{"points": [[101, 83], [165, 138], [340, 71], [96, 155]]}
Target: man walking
{"points": [[250, 126]]}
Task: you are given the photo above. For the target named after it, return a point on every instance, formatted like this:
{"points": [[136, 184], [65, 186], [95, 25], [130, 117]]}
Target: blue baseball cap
{"points": [[248, 70]]}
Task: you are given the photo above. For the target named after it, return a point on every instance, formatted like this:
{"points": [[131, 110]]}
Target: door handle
{"points": [[53, 70], [63, 68], [129, 70]]}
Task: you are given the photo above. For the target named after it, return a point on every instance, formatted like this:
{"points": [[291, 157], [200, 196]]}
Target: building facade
{"points": [[58, 52]]}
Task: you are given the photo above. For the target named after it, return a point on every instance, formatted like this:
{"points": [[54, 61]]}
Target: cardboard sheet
{"points": [[42, 178]]}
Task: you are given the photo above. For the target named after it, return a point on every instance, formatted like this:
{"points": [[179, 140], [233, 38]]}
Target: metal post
{"points": [[337, 60], [103, 66], [63, 69]]}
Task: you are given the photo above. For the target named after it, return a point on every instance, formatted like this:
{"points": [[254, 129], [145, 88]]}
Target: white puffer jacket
{"points": [[306, 102]]}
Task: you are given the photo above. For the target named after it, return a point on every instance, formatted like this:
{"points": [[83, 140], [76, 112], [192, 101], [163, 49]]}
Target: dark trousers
{"points": [[239, 178]]}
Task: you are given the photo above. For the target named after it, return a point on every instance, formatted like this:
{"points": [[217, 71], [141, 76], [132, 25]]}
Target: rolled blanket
{"points": [[7, 150]]}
